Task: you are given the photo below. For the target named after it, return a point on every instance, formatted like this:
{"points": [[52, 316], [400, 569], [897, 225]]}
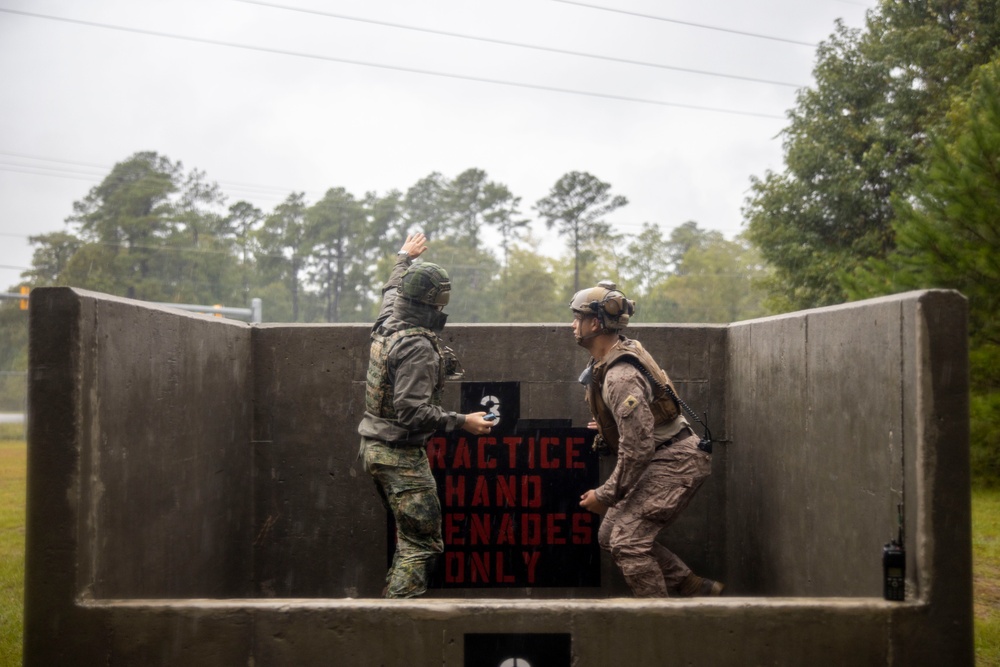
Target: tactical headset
{"points": [[607, 303]]}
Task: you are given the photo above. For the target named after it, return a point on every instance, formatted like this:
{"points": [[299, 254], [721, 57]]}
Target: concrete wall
{"points": [[320, 528], [177, 456]]}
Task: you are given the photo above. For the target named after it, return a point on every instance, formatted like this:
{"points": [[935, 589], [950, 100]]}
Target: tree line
{"points": [[155, 231], [891, 180]]}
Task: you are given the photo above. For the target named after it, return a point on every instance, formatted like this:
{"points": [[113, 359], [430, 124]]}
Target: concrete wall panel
{"points": [[765, 385], [318, 528], [169, 421], [242, 482]]}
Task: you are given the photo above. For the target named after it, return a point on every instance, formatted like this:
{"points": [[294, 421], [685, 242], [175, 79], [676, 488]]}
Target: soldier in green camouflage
{"points": [[406, 375]]}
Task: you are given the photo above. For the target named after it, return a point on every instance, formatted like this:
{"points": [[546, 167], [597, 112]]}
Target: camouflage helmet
{"points": [[605, 302], [426, 283]]}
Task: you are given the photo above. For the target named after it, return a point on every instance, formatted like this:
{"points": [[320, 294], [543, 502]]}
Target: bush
{"points": [[984, 438], [11, 432]]}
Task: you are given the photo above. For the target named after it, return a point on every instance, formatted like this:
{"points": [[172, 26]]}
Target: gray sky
{"points": [[267, 100]]}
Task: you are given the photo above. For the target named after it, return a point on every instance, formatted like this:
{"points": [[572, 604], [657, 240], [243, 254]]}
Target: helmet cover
{"points": [[426, 283], [605, 302]]}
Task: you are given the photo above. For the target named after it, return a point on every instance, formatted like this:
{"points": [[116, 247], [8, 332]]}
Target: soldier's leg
{"points": [[604, 532], [631, 543], [418, 542], [669, 486], [405, 477]]}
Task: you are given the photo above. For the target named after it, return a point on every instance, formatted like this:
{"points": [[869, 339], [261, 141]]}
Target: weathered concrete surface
{"points": [[320, 527], [181, 465], [363, 633], [137, 459]]}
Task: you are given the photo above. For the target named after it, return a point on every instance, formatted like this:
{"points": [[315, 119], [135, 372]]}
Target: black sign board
{"points": [[511, 500], [518, 650]]}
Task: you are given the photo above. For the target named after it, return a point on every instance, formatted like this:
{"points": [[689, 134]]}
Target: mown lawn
{"points": [[985, 551], [986, 575], [13, 459]]}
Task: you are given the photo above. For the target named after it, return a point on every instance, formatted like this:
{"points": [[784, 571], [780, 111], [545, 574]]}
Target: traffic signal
{"points": [[24, 300]]}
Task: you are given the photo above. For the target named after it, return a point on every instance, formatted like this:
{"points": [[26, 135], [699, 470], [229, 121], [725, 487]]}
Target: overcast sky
{"points": [[682, 107]]}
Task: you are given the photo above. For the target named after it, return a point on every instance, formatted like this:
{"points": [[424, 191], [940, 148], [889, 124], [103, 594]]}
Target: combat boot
{"points": [[695, 586]]}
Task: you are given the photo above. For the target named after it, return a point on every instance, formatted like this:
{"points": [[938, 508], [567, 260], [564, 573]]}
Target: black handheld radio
{"points": [[894, 565]]}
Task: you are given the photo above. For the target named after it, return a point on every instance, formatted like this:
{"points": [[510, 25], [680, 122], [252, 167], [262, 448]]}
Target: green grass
{"points": [[13, 473], [13, 459], [13, 432], [986, 575]]}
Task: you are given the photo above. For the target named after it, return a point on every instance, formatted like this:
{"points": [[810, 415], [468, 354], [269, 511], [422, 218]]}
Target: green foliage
{"points": [[646, 262], [948, 235], [283, 247], [472, 272], [715, 282], [984, 411], [12, 431], [577, 204], [853, 138], [13, 357], [337, 234], [239, 226], [947, 231], [984, 438], [692, 276], [529, 292], [147, 231], [152, 231]]}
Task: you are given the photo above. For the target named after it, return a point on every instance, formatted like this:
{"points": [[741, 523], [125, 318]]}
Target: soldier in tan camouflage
{"points": [[406, 374], [659, 465]]}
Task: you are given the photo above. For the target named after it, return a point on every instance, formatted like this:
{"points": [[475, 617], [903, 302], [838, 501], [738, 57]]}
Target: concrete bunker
{"points": [[193, 493]]}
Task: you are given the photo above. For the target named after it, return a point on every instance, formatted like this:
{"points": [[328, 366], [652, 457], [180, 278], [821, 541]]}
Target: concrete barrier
{"points": [[194, 495]]}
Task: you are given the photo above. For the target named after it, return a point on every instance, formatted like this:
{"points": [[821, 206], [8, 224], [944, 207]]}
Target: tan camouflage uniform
{"points": [[650, 485], [393, 443]]}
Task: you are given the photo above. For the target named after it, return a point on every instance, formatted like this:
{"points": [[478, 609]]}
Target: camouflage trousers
{"points": [[404, 481], [629, 529]]}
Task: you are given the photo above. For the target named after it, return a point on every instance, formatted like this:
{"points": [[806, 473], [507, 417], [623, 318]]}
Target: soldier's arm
{"points": [[628, 394], [414, 246], [416, 374]]}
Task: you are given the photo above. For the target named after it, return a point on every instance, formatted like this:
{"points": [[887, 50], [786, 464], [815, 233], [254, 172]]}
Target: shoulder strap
{"points": [[705, 444]]}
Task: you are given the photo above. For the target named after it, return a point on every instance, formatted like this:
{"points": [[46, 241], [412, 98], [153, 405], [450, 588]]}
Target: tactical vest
{"points": [[664, 408], [379, 390]]}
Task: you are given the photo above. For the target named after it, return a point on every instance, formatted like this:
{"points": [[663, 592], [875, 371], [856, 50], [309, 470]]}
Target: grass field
{"points": [[12, 485], [986, 575], [985, 550]]}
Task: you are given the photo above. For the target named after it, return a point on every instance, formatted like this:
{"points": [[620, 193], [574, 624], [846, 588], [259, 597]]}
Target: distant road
{"points": [[11, 417]]}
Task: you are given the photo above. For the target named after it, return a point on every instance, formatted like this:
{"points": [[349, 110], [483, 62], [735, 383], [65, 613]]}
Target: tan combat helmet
{"points": [[605, 302]]}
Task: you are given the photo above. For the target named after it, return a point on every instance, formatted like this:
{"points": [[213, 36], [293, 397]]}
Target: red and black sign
{"points": [[511, 500]]}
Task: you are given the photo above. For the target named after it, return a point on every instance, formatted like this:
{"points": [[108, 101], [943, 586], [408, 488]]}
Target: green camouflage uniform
{"points": [[402, 409]]}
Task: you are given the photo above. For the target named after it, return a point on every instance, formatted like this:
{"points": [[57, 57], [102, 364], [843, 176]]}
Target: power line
{"points": [[687, 23], [44, 171], [411, 70], [521, 45], [264, 191], [44, 159]]}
